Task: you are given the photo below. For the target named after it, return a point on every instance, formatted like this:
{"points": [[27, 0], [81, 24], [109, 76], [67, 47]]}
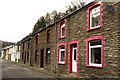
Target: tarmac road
{"points": [[11, 70]]}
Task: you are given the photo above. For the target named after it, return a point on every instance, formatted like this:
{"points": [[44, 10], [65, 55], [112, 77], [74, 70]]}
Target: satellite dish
{"points": [[110, 9]]}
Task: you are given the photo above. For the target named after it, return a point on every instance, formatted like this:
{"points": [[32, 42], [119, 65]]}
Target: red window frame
{"points": [[88, 15], [60, 31], [102, 50], [59, 46]]}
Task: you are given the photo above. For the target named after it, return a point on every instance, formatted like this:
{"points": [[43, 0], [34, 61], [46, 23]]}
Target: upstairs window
{"points": [[48, 55], [62, 29], [18, 47], [48, 35], [61, 53], [36, 39], [28, 44], [23, 45], [94, 18]]}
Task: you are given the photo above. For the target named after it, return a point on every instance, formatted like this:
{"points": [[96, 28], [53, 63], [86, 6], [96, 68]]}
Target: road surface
{"points": [[12, 70]]}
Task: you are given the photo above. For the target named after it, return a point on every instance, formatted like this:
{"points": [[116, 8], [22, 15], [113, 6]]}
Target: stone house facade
{"points": [[84, 44], [25, 47], [17, 56]]}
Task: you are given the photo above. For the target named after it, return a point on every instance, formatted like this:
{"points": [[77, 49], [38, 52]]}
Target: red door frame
{"points": [[70, 56]]}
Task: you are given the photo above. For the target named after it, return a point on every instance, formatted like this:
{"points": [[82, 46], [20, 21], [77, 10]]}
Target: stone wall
{"points": [[25, 53], [119, 39], [76, 29]]}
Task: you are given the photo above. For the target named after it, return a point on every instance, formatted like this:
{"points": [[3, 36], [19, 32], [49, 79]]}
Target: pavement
{"points": [[43, 71]]}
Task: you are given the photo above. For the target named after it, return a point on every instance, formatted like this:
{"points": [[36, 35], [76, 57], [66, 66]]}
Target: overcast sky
{"points": [[17, 17]]}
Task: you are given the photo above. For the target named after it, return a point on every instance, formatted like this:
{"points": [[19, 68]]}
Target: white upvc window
{"points": [[63, 30], [95, 17], [95, 47], [62, 55]]}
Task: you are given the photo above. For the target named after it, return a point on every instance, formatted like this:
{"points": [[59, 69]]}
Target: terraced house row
{"points": [[84, 43]]}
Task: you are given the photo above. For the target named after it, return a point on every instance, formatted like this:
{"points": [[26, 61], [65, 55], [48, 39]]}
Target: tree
{"points": [[47, 19], [50, 18], [53, 16], [74, 5], [41, 23]]}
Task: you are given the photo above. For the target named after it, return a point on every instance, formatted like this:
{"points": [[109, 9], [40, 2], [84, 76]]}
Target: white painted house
{"points": [[17, 54], [11, 53], [2, 54]]}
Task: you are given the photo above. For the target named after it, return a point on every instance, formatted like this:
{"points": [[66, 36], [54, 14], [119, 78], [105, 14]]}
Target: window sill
{"points": [[61, 63], [62, 37], [93, 29], [94, 66]]}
